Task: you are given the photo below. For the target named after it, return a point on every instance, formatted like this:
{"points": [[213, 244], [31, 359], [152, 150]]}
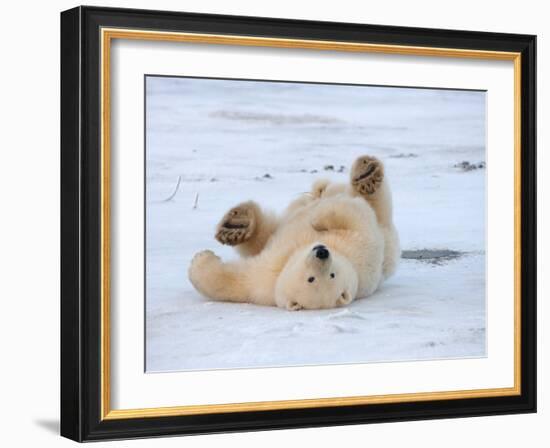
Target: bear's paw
{"points": [[237, 226], [367, 175]]}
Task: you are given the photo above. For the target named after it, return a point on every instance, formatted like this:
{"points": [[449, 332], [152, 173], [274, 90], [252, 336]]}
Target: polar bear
{"points": [[331, 246]]}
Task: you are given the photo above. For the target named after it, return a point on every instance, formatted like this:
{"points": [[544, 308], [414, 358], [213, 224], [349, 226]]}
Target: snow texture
{"points": [[224, 142]]}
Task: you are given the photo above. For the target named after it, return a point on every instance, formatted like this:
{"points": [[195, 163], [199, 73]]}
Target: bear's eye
{"points": [[311, 279], [332, 275]]}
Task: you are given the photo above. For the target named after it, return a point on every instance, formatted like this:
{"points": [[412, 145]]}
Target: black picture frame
{"points": [[81, 224]]}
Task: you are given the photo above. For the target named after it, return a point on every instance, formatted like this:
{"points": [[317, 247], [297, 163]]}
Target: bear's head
{"points": [[316, 277]]}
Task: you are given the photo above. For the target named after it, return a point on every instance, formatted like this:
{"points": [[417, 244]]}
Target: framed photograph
{"points": [[273, 223]]}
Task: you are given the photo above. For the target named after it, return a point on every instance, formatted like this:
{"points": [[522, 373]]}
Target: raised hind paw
{"points": [[238, 224], [367, 174], [201, 267]]}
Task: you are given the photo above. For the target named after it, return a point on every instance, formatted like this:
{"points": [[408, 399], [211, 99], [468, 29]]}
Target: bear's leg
{"points": [[368, 181], [392, 250], [247, 228], [218, 280]]}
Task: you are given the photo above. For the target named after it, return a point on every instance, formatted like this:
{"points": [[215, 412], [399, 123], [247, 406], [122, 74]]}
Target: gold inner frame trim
{"points": [[107, 35]]}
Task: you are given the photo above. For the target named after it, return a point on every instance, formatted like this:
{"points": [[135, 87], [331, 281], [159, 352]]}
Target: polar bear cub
{"points": [[331, 246]]}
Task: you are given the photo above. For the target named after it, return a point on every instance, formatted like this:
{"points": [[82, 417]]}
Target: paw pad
{"points": [[236, 226], [367, 174]]}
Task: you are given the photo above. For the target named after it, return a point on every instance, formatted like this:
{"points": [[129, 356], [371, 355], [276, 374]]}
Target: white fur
{"points": [[278, 258]]}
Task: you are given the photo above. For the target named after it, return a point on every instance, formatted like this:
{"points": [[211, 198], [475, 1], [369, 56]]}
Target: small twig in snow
{"points": [[175, 191], [196, 201]]}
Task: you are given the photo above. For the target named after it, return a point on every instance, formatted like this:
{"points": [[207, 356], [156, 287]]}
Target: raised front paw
{"points": [[367, 174], [238, 224]]}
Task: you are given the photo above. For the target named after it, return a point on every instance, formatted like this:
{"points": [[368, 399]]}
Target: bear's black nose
{"points": [[321, 252]]}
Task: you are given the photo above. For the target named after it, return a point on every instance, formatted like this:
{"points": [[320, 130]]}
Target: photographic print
{"points": [[345, 212], [292, 224]]}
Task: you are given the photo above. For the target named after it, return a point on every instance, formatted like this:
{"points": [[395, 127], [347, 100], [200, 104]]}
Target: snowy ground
{"points": [[224, 137]]}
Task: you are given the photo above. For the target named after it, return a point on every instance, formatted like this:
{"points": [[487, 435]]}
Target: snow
{"points": [[223, 137]]}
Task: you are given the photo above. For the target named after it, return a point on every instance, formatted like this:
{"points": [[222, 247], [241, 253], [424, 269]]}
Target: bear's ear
{"points": [[344, 299], [319, 187], [292, 305]]}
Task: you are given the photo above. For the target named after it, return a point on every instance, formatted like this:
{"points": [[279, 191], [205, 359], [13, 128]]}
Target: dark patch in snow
{"points": [[264, 177], [467, 166], [340, 169], [403, 155], [433, 256]]}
